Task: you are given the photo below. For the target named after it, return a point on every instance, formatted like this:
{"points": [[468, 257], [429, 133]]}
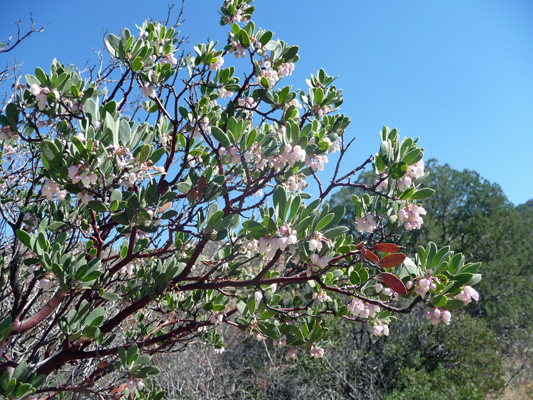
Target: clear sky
{"points": [[458, 74]]}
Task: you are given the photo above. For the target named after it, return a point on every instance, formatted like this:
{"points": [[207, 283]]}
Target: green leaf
{"points": [[244, 38], [280, 202], [335, 232], [43, 78], [221, 136], [137, 64], [324, 221], [144, 153], [398, 170], [124, 251], [476, 278], [109, 296], [51, 153], [319, 95], [422, 194], [97, 206], [183, 187], [385, 151], [439, 301], [10, 387], [270, 330], [24, 390], [290, 53], [265, 38], [19, 371], [116, 195], [453, 304], [412, 156], [354, 278], [264, 94], [254, 226], [54, 226], [24, 237], [96, 317], [124, 132]]}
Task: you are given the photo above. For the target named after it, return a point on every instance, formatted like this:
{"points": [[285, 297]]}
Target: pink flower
{"points": [[467, 294], [148, 90], [316, 352]]}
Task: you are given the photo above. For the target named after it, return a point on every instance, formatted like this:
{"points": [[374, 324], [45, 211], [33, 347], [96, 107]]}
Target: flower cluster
{"points": [[321, 296], [135, 384], [269, 73], [424, 285], [290, 155], [380, 289], [285, 69], [76, 173], [410, 216], [413, 172], [229, 155], [216, 63], [316, 162], [315, 244], [295, 183], [321, 111], [148, 89], [380, 328], [45, 284], [280, 343], [382, 182], [6, 133], [248, 104], [216, 318], [316, 263], [237, 49], [292, 353], [360, 308], [84, 197], [437, 314], [316, 352], [223, 93], [467, 294], [50, 188], [41, 95], [201, 126], [284, 237], [366, 223]]}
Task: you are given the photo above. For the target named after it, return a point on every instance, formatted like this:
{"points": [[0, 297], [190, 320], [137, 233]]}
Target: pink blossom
{"points": [[316, 352]]}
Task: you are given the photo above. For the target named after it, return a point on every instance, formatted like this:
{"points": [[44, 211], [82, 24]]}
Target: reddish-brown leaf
{"points": [[387, 247], [360, 245], [201, 185], [371, 256], [118, 389], [392, 260], [165, 207], [393, 282]]}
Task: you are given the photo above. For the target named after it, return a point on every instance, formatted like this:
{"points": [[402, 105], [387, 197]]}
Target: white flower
{"points": [[148, 90], [467, 294], [316, 352], [258, 296]]}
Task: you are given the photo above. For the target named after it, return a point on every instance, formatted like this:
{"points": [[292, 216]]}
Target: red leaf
{"points": [[387, 247], [201, 185], [393, 282], [392, 260], [371, 256]]}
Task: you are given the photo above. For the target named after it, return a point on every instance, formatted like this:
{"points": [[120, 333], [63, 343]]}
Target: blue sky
{"points": [[457, 74]]}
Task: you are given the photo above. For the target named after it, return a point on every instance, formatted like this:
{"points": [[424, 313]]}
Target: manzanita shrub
{"points": [[140, 213]]}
